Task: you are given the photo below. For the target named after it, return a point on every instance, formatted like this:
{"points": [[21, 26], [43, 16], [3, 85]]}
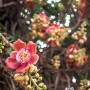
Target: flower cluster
{"points": [[53, 33], [56, 35], [23, 56], [56, 61], [31, 79], [39, 23], [75, 56], [80, 35], [83, 84]]}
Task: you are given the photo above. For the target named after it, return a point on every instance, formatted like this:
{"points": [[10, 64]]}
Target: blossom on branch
{"points": [[56, 35], [23, 56], [39, 23], [75, 56]]}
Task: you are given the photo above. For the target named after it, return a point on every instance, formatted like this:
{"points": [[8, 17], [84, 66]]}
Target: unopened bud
{"points": [[75, 37], [32, 20], [41, 84], [45, 87], [36, 75], [85, 38], [40, 78], [35, 80], [18, 77], [26, 78], [81, 41], [29, 87], [71, 56]]}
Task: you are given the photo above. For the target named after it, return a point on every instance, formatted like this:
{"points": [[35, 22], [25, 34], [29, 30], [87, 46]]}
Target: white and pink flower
{"points": [[23, 56]]}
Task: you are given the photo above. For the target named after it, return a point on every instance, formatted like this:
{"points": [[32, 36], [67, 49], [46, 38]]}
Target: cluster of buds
{"points": [[56, 61], [56, 35], [39, 23], [80, 35], [1, 46], [75, 56], [83, 85], [30, 79]]}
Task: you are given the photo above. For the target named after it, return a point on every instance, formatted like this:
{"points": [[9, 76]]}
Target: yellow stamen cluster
{"points": [[58, 36], [78, 57], [83, 84], [56, 61], [80, 35], [36, 24], [31, 79], [24, 57]]}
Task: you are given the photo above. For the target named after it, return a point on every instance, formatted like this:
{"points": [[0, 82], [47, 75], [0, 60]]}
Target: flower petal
{"points": [[17, 45], [34, 58], [11, 63], [23, 68], [44, 18], [71, 48], [31, 47], [13, 54]]}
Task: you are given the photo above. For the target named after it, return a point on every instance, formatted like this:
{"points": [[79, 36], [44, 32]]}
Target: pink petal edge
{"points": [[11, 63], [13, 54], [31, 47], [17, 45], [33, 59], [23, 68]]}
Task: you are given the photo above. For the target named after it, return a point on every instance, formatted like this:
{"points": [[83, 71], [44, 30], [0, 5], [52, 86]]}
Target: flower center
{"points": [[23, 56]]}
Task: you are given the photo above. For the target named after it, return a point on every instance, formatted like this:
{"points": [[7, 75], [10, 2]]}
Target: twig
{"points": [[68, 80], [5, 40], [56, 81], [8, 4]]}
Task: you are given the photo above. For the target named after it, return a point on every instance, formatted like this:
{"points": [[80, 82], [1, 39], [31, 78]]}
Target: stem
{"points": [[5, 40], [34, 83]]}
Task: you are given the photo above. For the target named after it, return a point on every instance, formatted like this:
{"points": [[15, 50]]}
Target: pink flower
{"points": [[45, 19], [23, 56], [70, 49], [72, 61], [54, 27]]}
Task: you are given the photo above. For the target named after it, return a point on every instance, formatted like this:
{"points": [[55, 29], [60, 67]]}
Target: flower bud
{"points": [[35, 80], [18, 77], [37, 75], [85, 38], [29, 87], [81, 41], [40, 78], [45, 87], [71, 56], [33, 69], [41, 84], [25, 83], [26, 78]]}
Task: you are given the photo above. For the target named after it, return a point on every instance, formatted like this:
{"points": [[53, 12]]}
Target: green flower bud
{"points": [[29, 87], [37, 75], [40, 84], [35, 80], [26, 78], [40, 78], [44, 86]]}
